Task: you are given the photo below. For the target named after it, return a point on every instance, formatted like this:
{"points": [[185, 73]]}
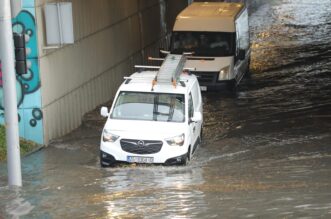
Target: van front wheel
{"points": [[247, 71], [187, 158], [106, 160], [185, 161], [231, 86]]}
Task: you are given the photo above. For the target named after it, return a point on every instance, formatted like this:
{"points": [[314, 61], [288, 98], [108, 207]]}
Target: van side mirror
{"points": [[163, 53], [197, 117], [104, 111], [242, 54]]}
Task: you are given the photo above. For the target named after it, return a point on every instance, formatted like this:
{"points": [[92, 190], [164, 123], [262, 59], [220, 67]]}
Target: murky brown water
{"points": [[266, 151]]}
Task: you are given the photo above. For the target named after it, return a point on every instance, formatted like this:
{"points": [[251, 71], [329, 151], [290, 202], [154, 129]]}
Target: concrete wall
{"points": [[77, 78], [174, 7], [110, 37]]}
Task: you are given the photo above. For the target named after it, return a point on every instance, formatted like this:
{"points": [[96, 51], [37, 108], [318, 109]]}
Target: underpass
{"points": [[266, 149]]}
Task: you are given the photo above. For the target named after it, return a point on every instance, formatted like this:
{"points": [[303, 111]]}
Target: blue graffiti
{"points": [[25, 23], [27, 85]]}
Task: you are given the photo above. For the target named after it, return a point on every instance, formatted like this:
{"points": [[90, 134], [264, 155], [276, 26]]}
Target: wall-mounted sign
{"points": [[59, 23]]}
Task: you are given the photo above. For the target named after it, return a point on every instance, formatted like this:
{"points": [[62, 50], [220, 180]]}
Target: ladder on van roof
{"points": [[170, 70]]}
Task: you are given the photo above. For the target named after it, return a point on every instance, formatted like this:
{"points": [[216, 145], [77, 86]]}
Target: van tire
{"points": [[247, 71], [185, 161], [187, 157], [231, 86], [106, 165], [201, 136], [103, 165]]}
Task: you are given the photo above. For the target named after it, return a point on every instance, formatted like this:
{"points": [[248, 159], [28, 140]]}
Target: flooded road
{"points": [[266, 150]]}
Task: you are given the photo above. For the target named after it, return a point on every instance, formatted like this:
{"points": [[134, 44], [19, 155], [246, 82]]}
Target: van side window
{"points": [[196, 95], [190, 106]]}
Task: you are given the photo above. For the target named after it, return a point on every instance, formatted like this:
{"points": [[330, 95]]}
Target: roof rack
{"points": [[147, 67], [170, 70]]}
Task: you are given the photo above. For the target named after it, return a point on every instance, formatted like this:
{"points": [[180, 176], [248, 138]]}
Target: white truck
{"points": [[216, 34], [156, 117]]}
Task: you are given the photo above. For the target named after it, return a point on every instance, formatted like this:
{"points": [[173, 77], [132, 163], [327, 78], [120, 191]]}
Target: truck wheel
{"points": [[231, 86]]}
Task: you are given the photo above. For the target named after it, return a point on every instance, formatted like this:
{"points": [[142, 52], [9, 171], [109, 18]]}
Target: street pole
{"points": [[9, 90]]}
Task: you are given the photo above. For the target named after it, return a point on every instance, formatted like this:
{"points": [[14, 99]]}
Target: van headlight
{"points": [[224, 73], [176, 141], [109, 137]]}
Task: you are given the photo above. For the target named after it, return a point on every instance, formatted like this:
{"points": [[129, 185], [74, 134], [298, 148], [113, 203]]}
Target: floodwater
{"points": [[266, 150]]}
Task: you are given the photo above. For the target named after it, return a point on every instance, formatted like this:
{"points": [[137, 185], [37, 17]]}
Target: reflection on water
{"points": [[153, 192], [18, 207], [266, 150], [14, 205]]}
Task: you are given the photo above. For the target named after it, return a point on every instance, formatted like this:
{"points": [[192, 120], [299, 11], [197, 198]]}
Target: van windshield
{"points": [[149, 107], [203, 43]]}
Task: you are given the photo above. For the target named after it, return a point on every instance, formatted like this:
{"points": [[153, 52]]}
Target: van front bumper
{"points": [[210, 80], [167, 155], [108, 159]]}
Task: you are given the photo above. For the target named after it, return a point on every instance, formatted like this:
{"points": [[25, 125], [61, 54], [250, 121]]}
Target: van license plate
{"points": [[203, 88], [135, 159]]}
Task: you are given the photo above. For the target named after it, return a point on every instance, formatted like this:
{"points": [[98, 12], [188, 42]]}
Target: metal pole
{"points": [[9, 90]]}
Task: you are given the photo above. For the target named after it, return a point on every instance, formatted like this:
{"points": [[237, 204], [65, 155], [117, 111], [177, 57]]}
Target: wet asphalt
{"points": [[266, 151]]}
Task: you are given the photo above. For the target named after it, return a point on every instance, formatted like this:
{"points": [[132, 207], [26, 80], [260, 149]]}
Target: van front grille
{"points": [[141, 146]]}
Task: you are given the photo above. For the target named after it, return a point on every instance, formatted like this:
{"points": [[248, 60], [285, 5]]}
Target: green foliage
{"points": [[2, 143], [26, 146]]}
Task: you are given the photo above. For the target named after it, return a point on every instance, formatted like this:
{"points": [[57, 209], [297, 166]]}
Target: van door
{"points": [[242, 46], [193, 126], [197, 103]]}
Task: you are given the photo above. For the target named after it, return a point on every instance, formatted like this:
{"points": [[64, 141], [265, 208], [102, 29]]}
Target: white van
{"points": [[217, 36], [156, 117]]}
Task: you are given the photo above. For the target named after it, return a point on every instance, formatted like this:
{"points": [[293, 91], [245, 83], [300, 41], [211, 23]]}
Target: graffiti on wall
{"points": [[27, 85]]}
